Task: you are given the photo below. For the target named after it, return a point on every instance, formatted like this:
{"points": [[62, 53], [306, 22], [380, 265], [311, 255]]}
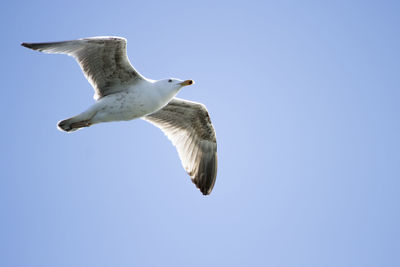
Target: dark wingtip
{"points": [[26, 45], [205, 192], [205, 185]]}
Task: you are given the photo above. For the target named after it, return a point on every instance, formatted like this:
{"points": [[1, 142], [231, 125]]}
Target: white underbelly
{"points": [[125, 106]]}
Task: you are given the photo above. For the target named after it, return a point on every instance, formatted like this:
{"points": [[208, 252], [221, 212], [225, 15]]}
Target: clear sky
{"points": [[304, 97]]}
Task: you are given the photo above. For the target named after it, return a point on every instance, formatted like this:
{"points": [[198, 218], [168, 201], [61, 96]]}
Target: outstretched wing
{"points": [[188, 126], [103, 60]]}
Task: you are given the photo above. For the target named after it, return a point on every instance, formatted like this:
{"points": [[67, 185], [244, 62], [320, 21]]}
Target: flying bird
{"points": [[123, 94]]}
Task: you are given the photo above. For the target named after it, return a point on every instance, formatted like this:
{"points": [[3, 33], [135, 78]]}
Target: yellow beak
{"points": [[187, 82]]}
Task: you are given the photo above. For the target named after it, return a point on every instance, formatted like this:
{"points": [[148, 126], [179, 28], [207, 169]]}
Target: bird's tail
{"points": [[72, 124]]}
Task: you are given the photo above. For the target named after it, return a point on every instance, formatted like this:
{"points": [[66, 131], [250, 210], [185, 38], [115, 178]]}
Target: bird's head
{"points": [[168, 88], [174, 84]]}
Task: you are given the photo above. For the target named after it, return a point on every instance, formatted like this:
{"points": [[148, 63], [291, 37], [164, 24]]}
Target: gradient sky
{"points": [[304, 97]]}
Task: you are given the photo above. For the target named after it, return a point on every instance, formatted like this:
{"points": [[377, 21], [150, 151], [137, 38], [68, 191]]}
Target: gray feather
{"points": [[188, 126], [103, 60]]}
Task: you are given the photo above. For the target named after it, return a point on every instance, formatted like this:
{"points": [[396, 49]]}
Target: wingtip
{"points": [[204, 188], [27, 45], [205, 192]]}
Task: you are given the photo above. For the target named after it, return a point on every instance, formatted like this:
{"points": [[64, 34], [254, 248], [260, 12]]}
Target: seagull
{"points": [[123, 94]]}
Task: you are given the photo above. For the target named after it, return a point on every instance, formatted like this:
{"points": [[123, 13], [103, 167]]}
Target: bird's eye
{"points": [[170, 81]]}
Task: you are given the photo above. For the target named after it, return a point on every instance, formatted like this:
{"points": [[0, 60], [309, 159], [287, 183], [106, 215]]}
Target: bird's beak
{"points": [[187, 82]]}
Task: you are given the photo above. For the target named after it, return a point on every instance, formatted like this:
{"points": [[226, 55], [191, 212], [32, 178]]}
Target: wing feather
{"points": [[103, 60], [188, 126]]}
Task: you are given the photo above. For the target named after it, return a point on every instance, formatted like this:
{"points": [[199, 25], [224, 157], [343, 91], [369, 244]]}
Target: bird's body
{"points": [[134, 102], [122, 94]]}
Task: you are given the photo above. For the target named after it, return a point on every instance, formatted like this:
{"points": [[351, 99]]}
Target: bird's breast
{"points": [[127, 105]]}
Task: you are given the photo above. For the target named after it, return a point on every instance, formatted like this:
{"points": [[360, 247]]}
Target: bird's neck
{"points": [[162, 94]]}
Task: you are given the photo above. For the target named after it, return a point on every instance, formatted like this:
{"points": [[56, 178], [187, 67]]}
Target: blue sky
{"points": [[304, 97]]}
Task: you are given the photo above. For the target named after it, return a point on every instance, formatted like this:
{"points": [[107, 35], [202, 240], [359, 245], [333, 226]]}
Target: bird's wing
{"points": [[188, 126], [103, 60]]}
